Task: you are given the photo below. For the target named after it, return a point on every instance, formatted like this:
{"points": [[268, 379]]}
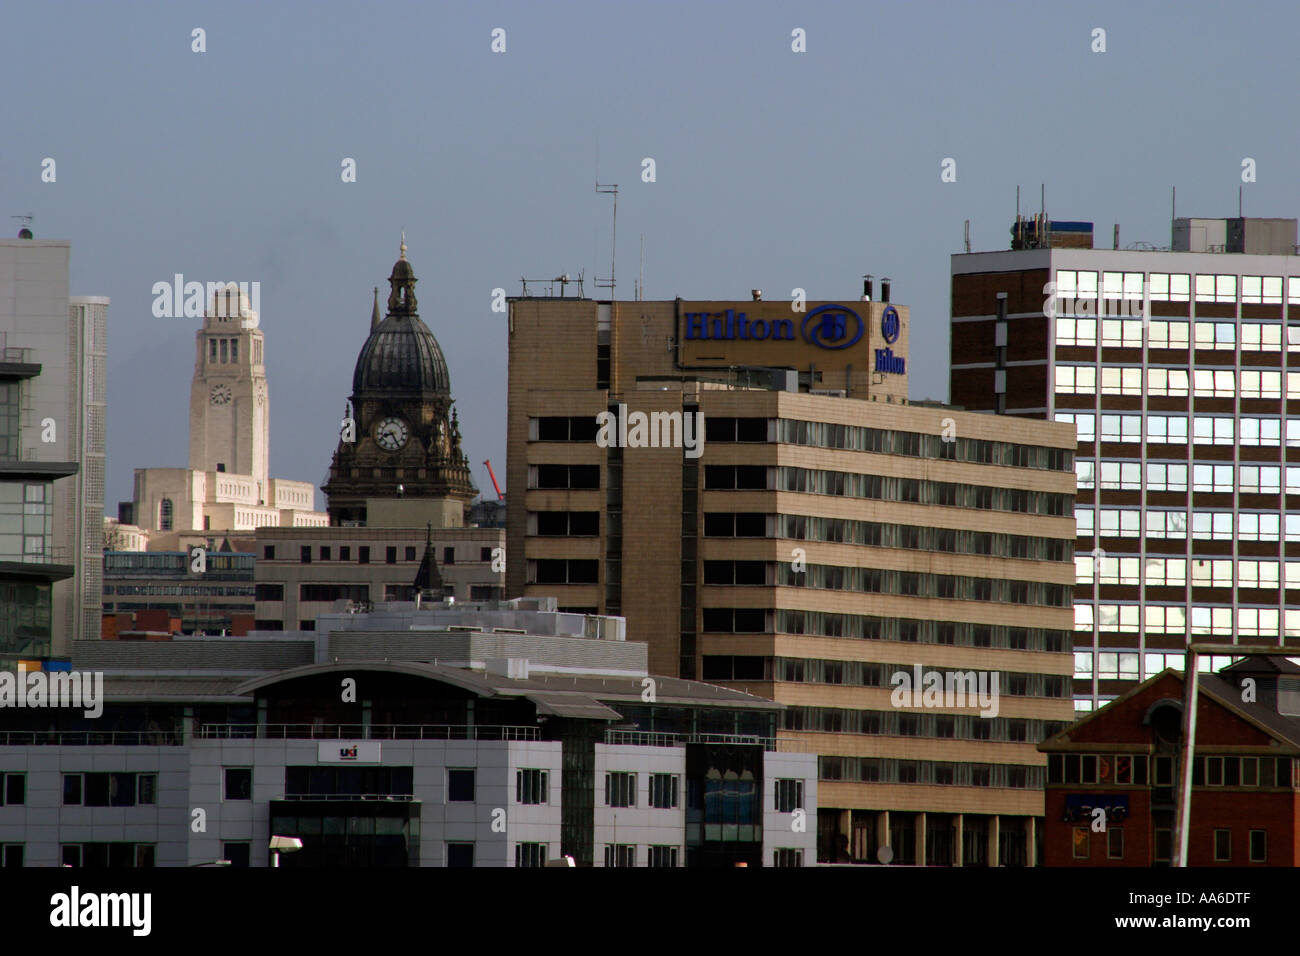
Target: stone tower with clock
{"points": [[229, 405], [399, 462]]}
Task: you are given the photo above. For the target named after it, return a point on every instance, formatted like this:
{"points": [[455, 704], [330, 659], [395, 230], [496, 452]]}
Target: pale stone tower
{"points": [[229, 405]]}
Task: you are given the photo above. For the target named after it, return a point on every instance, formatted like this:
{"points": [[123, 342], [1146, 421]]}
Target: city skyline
{"points": [[500, 185]]}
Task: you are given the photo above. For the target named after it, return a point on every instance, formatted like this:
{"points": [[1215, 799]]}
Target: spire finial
{"points": [[374, 312], [403, 244]]}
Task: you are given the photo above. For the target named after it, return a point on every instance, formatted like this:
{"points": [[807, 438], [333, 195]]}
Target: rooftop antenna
{"points": [[967, 240], [611, 189], [640, 281], [1239, 189]]}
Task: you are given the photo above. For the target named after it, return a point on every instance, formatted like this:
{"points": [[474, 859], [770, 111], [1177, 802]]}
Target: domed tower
{"points": [[400, 465]]}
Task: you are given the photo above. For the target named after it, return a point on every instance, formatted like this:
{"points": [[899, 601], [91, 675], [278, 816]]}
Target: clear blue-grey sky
{"points": [[774, 169]]}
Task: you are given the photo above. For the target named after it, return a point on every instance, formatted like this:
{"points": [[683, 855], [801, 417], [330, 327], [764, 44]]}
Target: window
{"points": [[1167, 382], [146, 789], [345, 553], [239, 783], [11, 854], [663, 791], [1115, 843], [530, 786], [238, 853], [116, 855], [663, 855], [462, 855], [268, 552], [460, 786], [1082, 849], [620, 854], [1168, 335], [1223, 846], [1258, 846], [783, 856], [234, 350], [620, 789], [410, 553], [304, 554], [108, 789], [225, 348], [530, 854], [212, 350], [324, 552], [1080, 379], [390, 555], [165, 515], [448, 555], [1163, 845], [363, 554], [485, 554], [789, 795], [14, 793]]}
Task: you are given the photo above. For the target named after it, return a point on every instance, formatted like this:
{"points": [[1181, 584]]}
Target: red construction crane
{"points": [[488, 462]]}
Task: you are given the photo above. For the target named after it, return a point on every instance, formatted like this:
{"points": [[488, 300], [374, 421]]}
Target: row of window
{"points": [[896, 723], [1081, 838], [873, 628], [229, 350], [921, 445], [1173, 382], [862, 674], [1181, 335], [1139, 770], [1204, 525], [877, 581], [1172, 476], [1160, 571], [884, 535], [181, 590], [410, 553], [1175, 287], [1173, 429], [110, 789], [621, 790], [1172, 619], [936, 772], [911, 490]]}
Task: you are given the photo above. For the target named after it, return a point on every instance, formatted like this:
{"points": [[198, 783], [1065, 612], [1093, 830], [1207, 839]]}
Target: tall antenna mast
{"points": [[640, 281], [611, 189]]}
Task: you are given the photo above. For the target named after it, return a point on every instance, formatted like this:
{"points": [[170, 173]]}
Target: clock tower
{"points": [[229, 405], [399, 462]]}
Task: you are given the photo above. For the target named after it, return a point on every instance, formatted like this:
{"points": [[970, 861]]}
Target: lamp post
{"points": [[283, 844]]}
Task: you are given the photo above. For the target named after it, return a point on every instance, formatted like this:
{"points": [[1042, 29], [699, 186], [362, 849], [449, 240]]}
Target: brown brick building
{"points": [[824, 537], [1125, 757]]}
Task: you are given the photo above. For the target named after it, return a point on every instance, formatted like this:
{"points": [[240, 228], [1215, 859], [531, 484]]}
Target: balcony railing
{"points": [[370, 732], [644, 738], [392, 797], [89, 738]]}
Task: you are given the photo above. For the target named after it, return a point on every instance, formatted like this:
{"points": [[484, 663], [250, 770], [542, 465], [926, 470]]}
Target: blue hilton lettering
{"points": [[887, 361]]}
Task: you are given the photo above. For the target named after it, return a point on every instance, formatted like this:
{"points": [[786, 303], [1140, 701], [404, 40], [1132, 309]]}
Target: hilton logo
{"points": [[887, 361], [831, 327]]}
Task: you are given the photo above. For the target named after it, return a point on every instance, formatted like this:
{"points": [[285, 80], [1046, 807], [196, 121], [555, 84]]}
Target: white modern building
{"points": [[52, 418], [497, 734]]}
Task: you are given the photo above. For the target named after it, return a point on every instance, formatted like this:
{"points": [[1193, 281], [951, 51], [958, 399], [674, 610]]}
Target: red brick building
{"points": [[1124, 761]]}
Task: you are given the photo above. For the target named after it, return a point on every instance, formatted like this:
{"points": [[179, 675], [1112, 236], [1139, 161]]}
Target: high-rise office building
{"points": [[52, 382], [748, 485], [1174, 365]]}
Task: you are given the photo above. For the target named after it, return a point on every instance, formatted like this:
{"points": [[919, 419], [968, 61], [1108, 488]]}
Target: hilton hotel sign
{"points": [[842, 341]]}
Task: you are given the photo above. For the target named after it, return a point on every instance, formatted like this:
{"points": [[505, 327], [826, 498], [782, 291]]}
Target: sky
{"points": [[773, 169]]}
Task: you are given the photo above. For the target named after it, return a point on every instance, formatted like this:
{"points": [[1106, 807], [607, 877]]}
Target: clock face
{"points": [[391, 434], [220, 395]]}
